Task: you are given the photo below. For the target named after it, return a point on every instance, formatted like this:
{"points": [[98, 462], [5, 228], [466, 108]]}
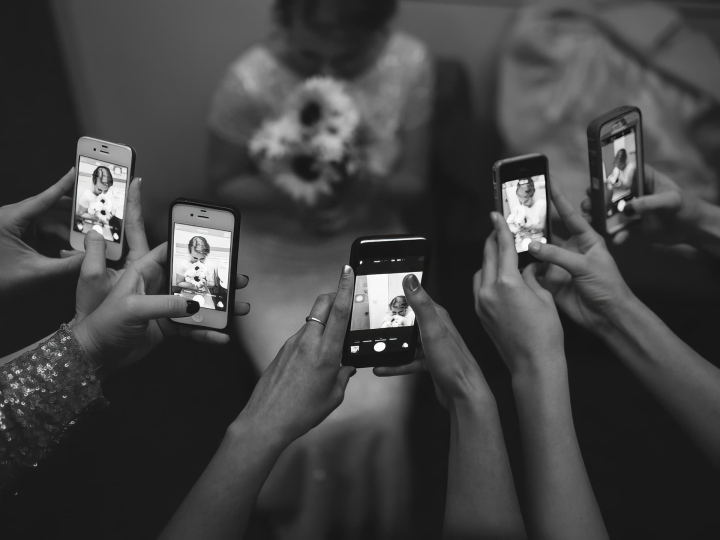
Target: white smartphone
{"points": [[202, 258], [103, 174]]}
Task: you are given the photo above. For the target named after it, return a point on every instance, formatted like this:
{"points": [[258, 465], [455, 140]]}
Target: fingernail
{"points": [[629, 210], [534, 247], [412, 282], [353, 372], [192, 307], [493, 217], [346, 270], [139, 182]]}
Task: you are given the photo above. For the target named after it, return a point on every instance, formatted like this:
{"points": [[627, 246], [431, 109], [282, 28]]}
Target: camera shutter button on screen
{"points": [[379, 346]]}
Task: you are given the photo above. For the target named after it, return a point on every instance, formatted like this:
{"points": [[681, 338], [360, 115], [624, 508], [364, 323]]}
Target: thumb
{"points": [[93, 266], [530, 277], [574, 263], [344, 375], [669, 201], [144, 308]]}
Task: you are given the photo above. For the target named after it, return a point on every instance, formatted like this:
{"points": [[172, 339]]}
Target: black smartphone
{"points": [[382, 330], [522, 196], [617, 175], [202, 259]]}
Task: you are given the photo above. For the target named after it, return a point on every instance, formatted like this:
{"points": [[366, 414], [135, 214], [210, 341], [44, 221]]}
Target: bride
{"points": [[349, 477]]}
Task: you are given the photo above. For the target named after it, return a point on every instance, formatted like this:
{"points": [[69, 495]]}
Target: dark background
{"points": [[124, 470]]}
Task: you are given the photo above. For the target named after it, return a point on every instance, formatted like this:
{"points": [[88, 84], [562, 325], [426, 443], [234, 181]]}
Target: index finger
{"points": [[572, 219], [337, 322], [507, 255], [135, 226], [42, 202]]}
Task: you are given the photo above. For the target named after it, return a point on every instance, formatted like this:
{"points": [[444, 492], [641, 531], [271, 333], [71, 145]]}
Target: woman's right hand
{"points": [[582, 276], [454, 370], [669, 215], [133, 318]]}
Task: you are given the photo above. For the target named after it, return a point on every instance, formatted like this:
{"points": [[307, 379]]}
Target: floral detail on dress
{"points": [[42, 394]]}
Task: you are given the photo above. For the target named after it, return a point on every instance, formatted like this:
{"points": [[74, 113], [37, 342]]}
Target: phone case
{"points": [[524, 258], [598, 211], [354, 255], [232, 277]]}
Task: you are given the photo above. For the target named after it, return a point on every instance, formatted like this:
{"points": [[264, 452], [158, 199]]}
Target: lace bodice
{"points": [[393, 95]]}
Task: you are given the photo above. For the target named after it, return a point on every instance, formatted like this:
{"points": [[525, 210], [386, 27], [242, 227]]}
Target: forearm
{"points": [[686, 384], [45, 390], [561, 503], [220, 503], [481, 500]]}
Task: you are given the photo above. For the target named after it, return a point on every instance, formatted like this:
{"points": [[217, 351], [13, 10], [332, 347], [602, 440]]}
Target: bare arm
{"points": [[481, 499], [561, 503], [686, 385], [220, 503]]}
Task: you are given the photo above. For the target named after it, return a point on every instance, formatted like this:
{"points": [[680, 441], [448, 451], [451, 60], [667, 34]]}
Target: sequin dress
{"points": [[352, 469], [43, 393]]}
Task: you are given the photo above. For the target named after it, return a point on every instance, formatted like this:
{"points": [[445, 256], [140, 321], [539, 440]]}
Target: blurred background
{"points": [[511, 77]]}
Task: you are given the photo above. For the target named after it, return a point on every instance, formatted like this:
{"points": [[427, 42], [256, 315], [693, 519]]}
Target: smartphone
{"points": [[522, 196], [382, 329], [617, 174], [103, 174], [202, 258]]}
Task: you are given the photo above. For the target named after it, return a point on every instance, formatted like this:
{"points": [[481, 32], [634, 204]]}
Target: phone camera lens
{"points": [[94, 149], [191, 215]]}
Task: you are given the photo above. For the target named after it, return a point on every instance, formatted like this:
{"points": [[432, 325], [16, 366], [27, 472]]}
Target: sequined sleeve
{"points": [[43, 392]]}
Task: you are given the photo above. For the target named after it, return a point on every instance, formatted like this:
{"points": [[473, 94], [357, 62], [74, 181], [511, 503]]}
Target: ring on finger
{"points": [[313, 319]]}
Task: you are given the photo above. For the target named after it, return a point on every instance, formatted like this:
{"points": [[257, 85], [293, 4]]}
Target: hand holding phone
{"points": [[24, 267], [522, 197], [583, 276], [103, 174], [203, 260], [454, 371], [520, 315], [382, 329], [617, 176]]}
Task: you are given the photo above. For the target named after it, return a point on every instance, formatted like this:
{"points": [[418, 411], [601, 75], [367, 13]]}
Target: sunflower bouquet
{"points": [[196, 275], [102, 209], [311, 151]]}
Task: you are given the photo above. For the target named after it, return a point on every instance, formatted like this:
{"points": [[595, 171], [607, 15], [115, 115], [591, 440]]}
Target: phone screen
{"points": [[619, 159], [200, 265], [100, 198], [525, 210], [382, 321]]}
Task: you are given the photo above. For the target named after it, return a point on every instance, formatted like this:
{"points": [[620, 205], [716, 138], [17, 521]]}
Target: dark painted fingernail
{"points": [[629, 210], [192, 307], [412, 282]]}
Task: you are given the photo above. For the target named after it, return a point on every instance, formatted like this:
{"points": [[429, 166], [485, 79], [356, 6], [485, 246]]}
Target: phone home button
{"points": [[197, 317]]}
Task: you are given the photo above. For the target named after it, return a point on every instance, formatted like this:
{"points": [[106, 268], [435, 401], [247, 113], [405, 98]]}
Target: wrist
{"points": [[543, 372], [246, 429], [81, 335]]}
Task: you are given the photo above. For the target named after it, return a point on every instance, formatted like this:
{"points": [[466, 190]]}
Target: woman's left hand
{"points": [[133, 319]]}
